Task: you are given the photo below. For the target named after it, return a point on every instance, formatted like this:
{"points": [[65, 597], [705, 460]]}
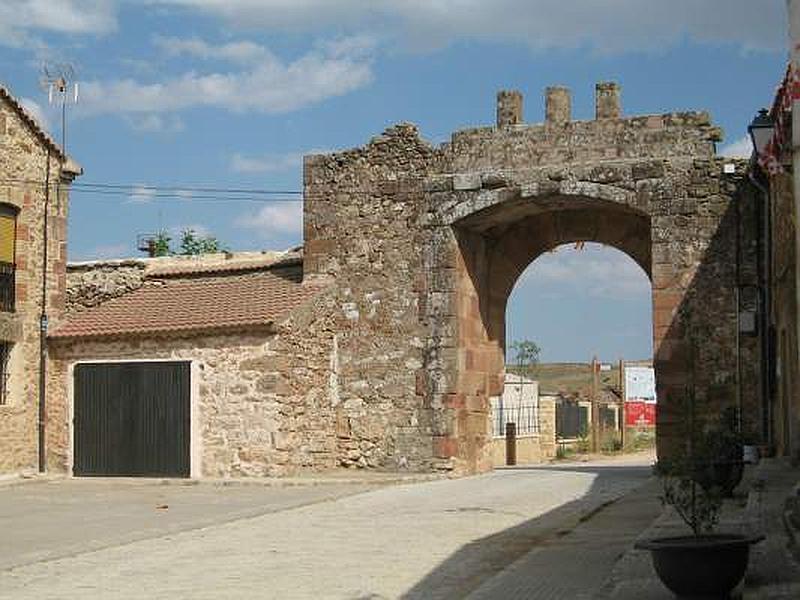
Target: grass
{"points": [[572, 378]]}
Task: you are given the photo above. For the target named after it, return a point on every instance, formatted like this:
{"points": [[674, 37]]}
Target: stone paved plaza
{"points": [[434, 539]]}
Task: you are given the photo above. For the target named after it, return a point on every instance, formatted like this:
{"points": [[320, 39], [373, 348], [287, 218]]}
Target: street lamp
{"points": [[760, 131]]}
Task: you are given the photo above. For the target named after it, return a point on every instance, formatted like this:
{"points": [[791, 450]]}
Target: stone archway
{"points": [[423, 244], [496, 246]]}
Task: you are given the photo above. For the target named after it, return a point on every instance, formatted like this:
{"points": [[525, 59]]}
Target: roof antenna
{"points": [[59, 81]]}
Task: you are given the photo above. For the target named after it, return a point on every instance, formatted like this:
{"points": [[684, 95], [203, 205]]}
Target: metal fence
{"points": [[572, 419], [525, 416]]}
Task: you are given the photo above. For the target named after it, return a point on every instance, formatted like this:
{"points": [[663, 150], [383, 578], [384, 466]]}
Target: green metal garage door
{"points": [[132, 419]]}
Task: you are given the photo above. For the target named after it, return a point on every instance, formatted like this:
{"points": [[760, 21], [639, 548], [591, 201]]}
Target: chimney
{"points": [[558, 105], [509, 108], [606, 100]]}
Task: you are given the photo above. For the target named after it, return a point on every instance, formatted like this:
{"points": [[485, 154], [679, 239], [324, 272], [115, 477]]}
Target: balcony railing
{"points": [[7, 289]]}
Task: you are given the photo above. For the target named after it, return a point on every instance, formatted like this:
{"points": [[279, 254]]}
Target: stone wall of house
{"points": [[532, 448], [265, 401], [547, 426], [425, 244], [786, 401], [23, 171]]}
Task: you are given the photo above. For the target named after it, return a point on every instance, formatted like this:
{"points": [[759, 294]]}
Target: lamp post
{"points": [[761, 130]]}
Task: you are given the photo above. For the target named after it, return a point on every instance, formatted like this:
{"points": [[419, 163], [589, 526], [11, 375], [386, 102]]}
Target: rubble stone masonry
{"points": [[23, 166], [425, 244]]}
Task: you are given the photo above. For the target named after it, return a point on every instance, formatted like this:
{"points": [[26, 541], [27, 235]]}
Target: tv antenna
{"points": [[59, 81]]}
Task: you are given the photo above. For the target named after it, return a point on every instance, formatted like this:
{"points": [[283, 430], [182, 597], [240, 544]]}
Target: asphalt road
{"points": [[438, 539]]}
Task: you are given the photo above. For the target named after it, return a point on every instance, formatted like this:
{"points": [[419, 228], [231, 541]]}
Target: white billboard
{"points": [[640, 384]]}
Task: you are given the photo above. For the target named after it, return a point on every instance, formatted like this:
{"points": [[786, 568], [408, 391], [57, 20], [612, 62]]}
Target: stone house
{"points": [[773, 171], [228, 340], [35, 174]]}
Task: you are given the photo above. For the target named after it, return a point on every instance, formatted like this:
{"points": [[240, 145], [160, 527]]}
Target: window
{"points": [[5, 354], [8, 235]]}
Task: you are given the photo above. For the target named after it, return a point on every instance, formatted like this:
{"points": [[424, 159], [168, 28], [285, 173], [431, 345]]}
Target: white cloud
{"points": [[741, 148], [601, 26], [21, 20], [141, 194], [279, 217], [152, 123], [270, 86], [269, 163], [238, 52], [107, 251], [596, 271]]}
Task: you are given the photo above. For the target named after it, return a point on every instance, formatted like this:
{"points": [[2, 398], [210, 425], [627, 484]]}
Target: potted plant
{"points": [[704, 563], [719, 454]]}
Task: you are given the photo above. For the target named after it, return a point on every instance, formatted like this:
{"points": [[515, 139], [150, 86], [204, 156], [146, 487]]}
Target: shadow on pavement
{"points": [[477, 562]]}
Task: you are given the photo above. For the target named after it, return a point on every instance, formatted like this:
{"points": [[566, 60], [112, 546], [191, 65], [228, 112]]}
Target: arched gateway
{"points": [[425, 245]]}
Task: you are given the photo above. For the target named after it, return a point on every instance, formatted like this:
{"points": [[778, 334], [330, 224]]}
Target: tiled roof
{"points": [[192, 305], [37, 129]]}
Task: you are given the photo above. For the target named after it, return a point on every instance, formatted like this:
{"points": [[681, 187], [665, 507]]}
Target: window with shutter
{"points": [[8, 237]]}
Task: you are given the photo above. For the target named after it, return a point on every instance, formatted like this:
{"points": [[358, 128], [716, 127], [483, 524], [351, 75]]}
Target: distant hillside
{"points": [[574, 378]]}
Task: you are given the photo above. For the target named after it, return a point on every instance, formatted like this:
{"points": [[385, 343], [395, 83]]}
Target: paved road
{"points": [[44, 520], [440, 539]]}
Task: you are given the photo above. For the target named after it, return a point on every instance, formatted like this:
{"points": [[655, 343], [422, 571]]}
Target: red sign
{"points": [[640, 414]]}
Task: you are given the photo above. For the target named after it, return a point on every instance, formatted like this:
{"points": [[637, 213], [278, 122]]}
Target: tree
{"points": [[160, 244], [526, 355], [193, 244]]}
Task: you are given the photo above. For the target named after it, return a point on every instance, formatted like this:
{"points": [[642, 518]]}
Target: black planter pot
{"points": [[705, 565]]}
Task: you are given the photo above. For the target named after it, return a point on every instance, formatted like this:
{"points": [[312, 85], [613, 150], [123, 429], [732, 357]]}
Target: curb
{"points": [[791, 520], [277, 482], [25, 478]]}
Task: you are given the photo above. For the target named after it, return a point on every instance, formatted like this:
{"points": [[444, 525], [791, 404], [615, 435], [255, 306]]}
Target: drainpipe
{"points": [[43, 327], [765, 299], [737, 302]]}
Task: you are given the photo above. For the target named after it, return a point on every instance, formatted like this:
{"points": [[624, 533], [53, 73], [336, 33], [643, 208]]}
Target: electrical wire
{"points": [[142, 197], [134, 187], [180, 188], [146, 193]]}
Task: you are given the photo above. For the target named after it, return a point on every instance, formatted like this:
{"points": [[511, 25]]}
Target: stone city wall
{"points": [[90, 284], [443, 233]]}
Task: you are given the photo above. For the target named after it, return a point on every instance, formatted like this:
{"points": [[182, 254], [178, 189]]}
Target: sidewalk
{"points": [[773, 572]]}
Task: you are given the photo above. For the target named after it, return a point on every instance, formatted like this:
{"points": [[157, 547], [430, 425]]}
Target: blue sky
{"points": [[232, 93]]}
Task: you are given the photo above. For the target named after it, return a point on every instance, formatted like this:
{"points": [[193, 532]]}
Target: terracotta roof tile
{"points": [[192, 304]]}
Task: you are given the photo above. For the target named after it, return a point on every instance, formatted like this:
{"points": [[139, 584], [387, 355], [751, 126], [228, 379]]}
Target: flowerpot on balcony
{"points": [[708, 565]]}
